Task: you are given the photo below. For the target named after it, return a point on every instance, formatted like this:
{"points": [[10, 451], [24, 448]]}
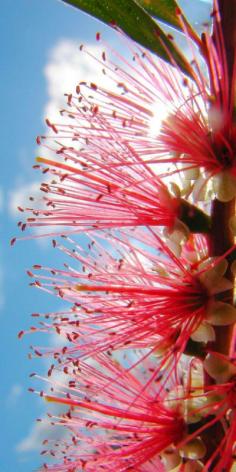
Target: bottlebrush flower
{"points": [[202, 133], [117, 419], [114, 422], [101, 199], [135, 297], [154, 290], [108, 160]]}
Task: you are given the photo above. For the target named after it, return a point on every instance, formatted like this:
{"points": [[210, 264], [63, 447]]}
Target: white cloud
{"points": [[19, 197], [15, 393], [67, 66], [42, 430], [38, 433]]}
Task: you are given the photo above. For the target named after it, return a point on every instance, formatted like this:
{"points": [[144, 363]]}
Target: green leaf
{"points": [[164, 10], [136, 23]]}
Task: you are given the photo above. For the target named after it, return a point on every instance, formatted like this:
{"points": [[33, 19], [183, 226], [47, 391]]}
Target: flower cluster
{"points": [[134, 298], [145, 353]]}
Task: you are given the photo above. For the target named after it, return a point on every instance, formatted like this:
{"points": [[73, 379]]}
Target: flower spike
{"points": [[143, 172]]}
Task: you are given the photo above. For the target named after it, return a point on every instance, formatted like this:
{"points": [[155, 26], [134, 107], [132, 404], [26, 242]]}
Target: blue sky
{"points": [[35, 36]]}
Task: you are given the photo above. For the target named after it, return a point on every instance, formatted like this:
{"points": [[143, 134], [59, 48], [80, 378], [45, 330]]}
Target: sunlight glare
{"points": [[160, 112]]}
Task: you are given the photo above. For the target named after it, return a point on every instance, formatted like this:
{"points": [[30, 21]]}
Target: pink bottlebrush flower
{"points": [[85, 200], [118, 418], [203, 133], [152, 286], [135, 297], [114, 423], [107, 160]]}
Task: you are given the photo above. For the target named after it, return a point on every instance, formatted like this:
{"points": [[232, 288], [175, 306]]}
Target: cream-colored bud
{"points": [[219, 369], [189, 466], [221, 314], [190, 173], [212, 276], [171, 460], [224, 185], [193, 466], [194, 449], [223, 285], [204, 333]]}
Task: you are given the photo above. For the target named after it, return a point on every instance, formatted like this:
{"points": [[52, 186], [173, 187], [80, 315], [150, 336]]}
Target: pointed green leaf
{"points": [[164, 10], [136, 23]]}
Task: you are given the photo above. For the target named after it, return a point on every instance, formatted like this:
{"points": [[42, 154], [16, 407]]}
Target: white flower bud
{"points": [[224, 185], [204, 333], [219, 369], [193, 466], [190, 173], [221, 314], [212, 276], [194, 449], [171, 460]]}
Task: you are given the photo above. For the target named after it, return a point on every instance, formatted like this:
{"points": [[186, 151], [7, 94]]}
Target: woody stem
{"points": [[221, 238]]}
